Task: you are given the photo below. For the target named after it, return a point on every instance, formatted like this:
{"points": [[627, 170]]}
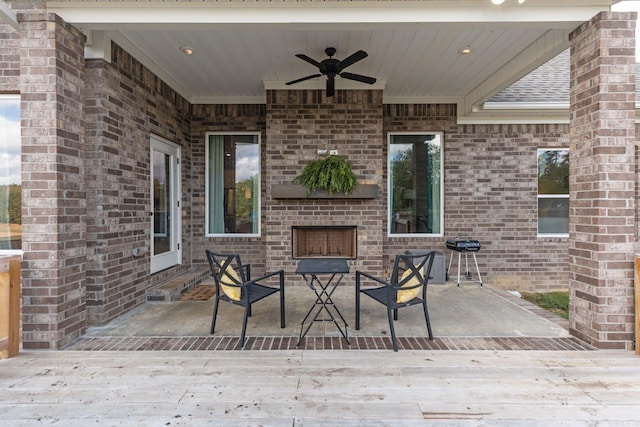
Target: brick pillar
{"points": [[53, 195], [602, 180], [299, 123]]}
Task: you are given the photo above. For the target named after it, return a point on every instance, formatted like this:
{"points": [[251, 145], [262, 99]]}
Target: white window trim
{"points": [[206, 204], [548, 196], [9, 252], [442, 180]]}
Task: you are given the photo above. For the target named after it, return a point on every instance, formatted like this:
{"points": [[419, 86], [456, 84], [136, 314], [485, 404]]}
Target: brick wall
{"points": [[490, 187], [54, 202], [495, 203], [225, 118], [496, 200], [298, 124], [490, 195], [125, 104], [9, 59], [602, 225]]}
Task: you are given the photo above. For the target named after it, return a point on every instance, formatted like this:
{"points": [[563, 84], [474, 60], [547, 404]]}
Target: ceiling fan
{"points": [[331, 68]]}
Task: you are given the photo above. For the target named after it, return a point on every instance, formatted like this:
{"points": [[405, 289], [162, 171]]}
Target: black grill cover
{"points": [[463, 245]]}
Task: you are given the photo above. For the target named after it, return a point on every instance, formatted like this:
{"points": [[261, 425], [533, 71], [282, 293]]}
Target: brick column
{"points": [[602, 180], [53, 195], [299, 122]]}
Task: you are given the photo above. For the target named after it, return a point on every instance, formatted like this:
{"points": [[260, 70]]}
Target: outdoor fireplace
{"points": [[324, 242]]}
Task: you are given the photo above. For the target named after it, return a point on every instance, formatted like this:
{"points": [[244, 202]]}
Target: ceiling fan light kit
{"points": [[332, 67]]}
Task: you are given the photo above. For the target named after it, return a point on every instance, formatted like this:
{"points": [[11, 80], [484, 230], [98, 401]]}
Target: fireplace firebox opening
{"points": [[324, 242]]}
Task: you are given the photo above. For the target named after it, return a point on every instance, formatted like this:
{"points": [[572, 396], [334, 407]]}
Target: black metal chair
{"points": [[234, 285], [407, 287]]}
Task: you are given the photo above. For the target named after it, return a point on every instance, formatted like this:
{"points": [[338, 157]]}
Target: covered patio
{"points": [[127, 83]]}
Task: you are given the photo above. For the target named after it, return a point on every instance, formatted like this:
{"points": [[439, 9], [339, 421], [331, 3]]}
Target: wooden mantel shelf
{"points": [[296, 191]]}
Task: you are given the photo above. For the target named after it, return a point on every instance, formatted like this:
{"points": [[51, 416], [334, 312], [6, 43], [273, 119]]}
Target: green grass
{"points": [[555, 302]]}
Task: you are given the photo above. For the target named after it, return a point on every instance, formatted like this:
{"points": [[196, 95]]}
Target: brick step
{"points": [[172, 288]]}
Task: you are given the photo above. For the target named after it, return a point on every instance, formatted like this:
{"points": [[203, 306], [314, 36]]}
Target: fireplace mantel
{"points": [[296, 191]]}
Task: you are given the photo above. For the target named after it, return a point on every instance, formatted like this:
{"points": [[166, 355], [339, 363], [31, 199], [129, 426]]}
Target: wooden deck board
{"points": [[320, 388]]}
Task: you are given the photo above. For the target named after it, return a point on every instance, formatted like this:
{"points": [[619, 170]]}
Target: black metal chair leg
{"points": [[247, 309], [215, 314], [426, 316], [357, 301], [393, 331], [282, 300]]}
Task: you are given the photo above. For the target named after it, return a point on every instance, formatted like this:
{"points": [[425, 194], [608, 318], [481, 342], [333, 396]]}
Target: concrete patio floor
{"points": [[464, 317]]}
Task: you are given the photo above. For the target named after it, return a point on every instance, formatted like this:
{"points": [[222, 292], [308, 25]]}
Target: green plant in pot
{"points": [[331, 173]]}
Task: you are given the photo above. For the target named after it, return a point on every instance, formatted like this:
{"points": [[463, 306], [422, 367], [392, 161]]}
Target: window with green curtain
{"points": [[10, 181], [553, 192], [415, 183], [233, 184]]}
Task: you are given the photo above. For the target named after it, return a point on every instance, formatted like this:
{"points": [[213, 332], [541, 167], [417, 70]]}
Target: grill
{"points": [[463, 244]]}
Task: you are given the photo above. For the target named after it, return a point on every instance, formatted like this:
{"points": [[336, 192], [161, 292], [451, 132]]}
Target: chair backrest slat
{"points": [[219, 264], [419, 265]]}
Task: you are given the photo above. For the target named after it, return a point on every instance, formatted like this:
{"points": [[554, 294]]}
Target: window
{"points": [[415, 184], [10, 183], [553, 192], [233, 184]]}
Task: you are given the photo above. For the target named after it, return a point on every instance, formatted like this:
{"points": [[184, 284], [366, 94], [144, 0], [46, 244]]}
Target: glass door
{"points": [[165, 204]]}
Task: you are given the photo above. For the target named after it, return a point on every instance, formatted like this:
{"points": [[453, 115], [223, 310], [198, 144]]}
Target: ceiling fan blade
{"points": [[350, 60], [309, 60], [330, 86], [358, 78], [313, 76]]}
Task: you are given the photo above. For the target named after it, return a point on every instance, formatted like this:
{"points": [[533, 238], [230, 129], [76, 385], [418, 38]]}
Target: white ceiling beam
{"points": [[98, 45], [163, 14]]}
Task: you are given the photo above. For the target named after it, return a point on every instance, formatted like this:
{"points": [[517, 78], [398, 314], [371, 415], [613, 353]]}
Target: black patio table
{"points": [[310, 269]]}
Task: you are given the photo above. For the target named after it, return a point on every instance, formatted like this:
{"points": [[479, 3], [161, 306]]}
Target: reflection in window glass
{"points": [[10, 184], [233, 184], [415, 184], [553, 192]]}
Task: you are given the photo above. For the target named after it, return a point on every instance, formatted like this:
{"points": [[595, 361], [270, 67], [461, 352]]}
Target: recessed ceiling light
{"points": [[187, 50], [497, 1], [465, 50]]}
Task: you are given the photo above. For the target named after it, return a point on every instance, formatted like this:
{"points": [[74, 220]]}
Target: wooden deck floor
{"points": [[320, 388]]}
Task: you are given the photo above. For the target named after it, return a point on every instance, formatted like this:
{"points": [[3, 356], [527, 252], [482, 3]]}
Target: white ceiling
{"points": [[241, 48]]}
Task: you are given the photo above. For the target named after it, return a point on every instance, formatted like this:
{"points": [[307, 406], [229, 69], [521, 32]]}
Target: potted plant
{"points": [[331, 173]]}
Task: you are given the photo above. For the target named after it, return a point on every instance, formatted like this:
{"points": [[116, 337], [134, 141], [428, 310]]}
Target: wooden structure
{"points": [[9, 306], [637, 292]]}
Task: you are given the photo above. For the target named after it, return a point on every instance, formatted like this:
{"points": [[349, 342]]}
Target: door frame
{"points": [[174, 256]]}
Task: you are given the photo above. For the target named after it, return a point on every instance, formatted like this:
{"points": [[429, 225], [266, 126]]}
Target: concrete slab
{"points": [[465, 311]]}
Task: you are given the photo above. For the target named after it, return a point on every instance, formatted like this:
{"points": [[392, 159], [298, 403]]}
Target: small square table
{"points": [[310, 269]]}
